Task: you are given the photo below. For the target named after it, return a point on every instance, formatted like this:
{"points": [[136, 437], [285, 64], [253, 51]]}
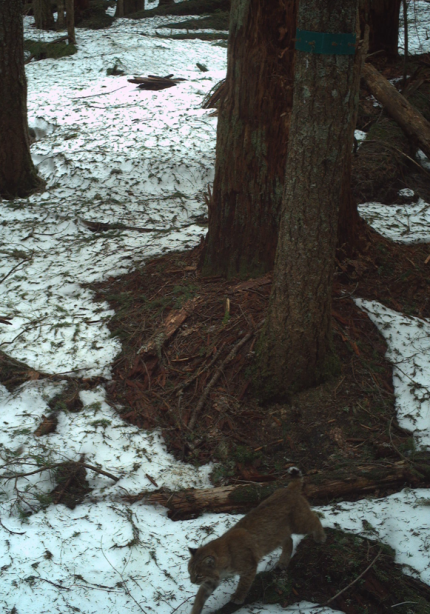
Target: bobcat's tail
{"points": [[296, 482]]}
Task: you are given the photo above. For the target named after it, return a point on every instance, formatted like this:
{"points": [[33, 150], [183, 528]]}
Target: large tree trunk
{"points": [[295, 349], [43, 16], [18, 176], [252, 139], [382, 16]]}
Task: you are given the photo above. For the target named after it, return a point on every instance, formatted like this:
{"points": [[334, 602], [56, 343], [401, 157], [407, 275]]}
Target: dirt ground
{"points": [[348, 420]]}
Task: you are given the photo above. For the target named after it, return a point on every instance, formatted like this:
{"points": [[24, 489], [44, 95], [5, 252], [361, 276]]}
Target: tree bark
{"points": [[413, 124], [350, 224], [43, 16], [382, 16], [295, 348], [18, 176], [119, 8], [191, 502], [252, 139], [132, 6], [80, 6], [70, 20], [61, 20]]}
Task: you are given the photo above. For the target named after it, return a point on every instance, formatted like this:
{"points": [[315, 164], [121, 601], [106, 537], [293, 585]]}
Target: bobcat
{"points": [[240, 549]]}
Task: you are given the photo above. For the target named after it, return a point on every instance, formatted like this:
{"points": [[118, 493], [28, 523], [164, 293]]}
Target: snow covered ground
{"points": [[112, 153]]}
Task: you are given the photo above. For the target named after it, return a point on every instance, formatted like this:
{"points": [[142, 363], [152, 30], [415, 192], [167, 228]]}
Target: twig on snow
{"points": [[55, 465], [94, 95]]}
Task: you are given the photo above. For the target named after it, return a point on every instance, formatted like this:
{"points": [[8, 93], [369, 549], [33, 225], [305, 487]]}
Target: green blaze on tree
{"points": [[18, 176], [295, 348]]}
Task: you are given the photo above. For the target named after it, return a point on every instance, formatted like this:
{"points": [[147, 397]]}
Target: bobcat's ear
{"points": [[209, 561], [192, 551]]}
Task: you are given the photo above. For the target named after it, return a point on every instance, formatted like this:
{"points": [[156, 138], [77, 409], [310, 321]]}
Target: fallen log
{"points": [[191, 502], [413, 124]]}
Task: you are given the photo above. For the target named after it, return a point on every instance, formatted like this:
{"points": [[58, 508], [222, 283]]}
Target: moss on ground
{"points": [[55, 50]]}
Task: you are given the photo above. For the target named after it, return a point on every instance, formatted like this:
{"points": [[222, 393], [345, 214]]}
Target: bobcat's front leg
{"points": [[245, 581], [206, 589], [287, 549]]}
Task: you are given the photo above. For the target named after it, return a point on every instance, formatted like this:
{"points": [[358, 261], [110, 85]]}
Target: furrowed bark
{"points": [[295, 349], [252, 139], [18, 176]]}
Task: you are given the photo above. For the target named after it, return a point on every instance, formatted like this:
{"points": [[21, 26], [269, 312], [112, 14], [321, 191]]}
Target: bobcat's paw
{"points": [[237, 599]]}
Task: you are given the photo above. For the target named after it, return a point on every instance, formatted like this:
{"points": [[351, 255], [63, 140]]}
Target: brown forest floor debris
{"points": [[339, 424]]}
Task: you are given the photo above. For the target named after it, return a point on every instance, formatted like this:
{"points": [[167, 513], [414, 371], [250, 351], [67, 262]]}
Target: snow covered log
{"points": [[413, 124], [318, 488]]}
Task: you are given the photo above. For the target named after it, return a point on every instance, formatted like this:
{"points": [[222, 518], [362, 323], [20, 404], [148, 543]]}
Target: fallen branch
{"points": [[55, 466], [95, 95], [411, 121]]}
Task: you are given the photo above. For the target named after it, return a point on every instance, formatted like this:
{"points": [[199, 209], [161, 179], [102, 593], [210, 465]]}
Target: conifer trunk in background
{"points": [[132, 6], [80, 6], [43, 16], [382, 16], [350, 224], [70, 21], [18, 176], [119, 8], [295, 350], [61, 20], [252, 139]]}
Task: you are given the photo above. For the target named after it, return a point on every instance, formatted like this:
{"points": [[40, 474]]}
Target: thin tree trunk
{"points": [[61, 21], [252, 139], [132, 6], [70, 20], [18, 176], [382, 16], [119, 8], [350, 224], [295, 349], [43, 16], [80, 6]]}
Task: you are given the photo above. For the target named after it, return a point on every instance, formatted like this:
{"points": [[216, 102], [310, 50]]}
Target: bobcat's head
{"points": [[202, 565]]}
